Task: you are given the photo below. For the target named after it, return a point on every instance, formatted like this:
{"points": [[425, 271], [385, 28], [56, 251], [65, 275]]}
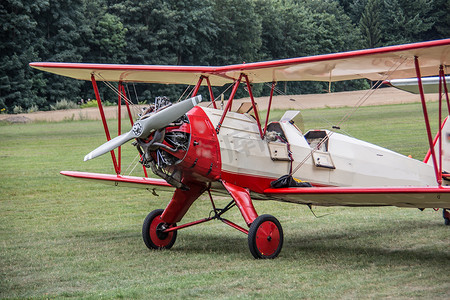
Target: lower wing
{"points": [[420, 197], [120, 180]]}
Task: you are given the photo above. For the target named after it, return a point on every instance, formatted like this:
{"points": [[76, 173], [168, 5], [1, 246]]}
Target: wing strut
{"points": [[197, 87], [442, 75], [230, 100], [427, 122], [121, 95], [442, 80], [255, 109], [105, 125], [262, 132], [211, 95], [268, 108]]}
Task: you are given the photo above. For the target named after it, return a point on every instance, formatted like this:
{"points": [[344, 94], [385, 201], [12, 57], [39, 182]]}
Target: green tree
{"points": [[355, 9], [405, 21], [287, 30], [401, 21], [107, 43], [20, 45], [166, 32], [441, 28], [301, 28], [238, 37], [370, 24]]}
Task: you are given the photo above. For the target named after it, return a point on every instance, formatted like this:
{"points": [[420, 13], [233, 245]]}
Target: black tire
{"points": [[152, 233], [265, 237], [445, 214]]}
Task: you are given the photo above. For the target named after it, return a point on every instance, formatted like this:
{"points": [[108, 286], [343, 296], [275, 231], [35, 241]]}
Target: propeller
{"points": [[143, 127]]}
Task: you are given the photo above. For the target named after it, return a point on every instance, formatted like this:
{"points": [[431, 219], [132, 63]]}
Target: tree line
{"points": [[194, 32]]}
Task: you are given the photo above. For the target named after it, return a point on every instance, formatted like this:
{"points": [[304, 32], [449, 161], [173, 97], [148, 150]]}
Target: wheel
{"points": [[446, 215], [265, 237], [152, 233]]}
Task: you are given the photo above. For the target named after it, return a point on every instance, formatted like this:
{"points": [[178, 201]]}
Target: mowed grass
{"points": [[61, 237]]}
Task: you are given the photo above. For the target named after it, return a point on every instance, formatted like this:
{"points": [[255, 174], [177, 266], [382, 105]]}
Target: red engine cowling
{"points": [[186, 153], [202, 160]]}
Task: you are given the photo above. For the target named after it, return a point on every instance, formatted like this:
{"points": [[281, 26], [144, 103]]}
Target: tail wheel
{"points": [[152, 232], [265, 237]]}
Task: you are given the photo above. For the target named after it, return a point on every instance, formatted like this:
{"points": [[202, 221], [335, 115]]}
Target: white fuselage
{"points": [[341, 161]]}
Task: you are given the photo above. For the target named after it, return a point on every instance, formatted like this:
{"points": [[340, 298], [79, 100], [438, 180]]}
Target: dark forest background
{"points": [[194, 32]]}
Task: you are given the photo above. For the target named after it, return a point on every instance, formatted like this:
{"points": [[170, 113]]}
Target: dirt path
{"points": [[379, 97]]}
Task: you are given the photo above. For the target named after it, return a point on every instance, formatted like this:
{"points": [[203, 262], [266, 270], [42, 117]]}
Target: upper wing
{"points": [[375, 64], [420, 197]]}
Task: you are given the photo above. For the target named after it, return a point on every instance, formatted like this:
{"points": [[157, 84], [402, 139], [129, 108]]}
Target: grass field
{"points": [[61, 237]]}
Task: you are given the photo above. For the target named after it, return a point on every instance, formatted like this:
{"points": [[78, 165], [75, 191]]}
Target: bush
{"points": [[17, 109], [90, 103], [93, 103], [63, 104], [32, 109]]}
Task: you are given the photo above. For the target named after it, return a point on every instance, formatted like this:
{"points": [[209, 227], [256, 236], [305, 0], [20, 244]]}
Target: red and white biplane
{"points": [[197, 149]]}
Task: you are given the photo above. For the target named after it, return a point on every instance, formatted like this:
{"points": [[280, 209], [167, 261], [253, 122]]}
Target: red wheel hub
{"points": [[159, 238], [267, 238]]}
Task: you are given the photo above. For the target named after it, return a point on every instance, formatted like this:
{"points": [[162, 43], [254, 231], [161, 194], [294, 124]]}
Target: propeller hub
{"points": [[137, 129]]}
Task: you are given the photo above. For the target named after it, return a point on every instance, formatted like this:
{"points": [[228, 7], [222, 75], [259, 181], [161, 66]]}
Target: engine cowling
{"points": [[185, 151]]}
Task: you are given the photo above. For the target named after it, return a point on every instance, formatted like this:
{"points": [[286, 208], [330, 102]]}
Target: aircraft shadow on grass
{"points": [[340, 246]]}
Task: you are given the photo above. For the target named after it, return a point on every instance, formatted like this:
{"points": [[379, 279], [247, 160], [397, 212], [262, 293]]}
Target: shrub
{"points": [[33, 108], [63, 104], [17, 109], [93, 103]]}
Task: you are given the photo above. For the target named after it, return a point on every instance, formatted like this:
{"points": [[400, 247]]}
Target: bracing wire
{"points": [[135, 93], [184, 92]]}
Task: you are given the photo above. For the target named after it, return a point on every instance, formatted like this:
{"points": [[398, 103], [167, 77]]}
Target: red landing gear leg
{"points": [[265, 236], [446, 215]]}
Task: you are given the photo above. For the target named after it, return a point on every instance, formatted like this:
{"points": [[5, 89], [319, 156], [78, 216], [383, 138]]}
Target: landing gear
{"points": [[265, 237], [446, 215], [152, 232]]}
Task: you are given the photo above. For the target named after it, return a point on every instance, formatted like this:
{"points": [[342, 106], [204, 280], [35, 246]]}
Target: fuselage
{"points": [[340, 160], [236, 154]]}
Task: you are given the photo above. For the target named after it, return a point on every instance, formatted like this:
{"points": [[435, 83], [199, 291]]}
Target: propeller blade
{"points": [[142, 128], [110, 145]]}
